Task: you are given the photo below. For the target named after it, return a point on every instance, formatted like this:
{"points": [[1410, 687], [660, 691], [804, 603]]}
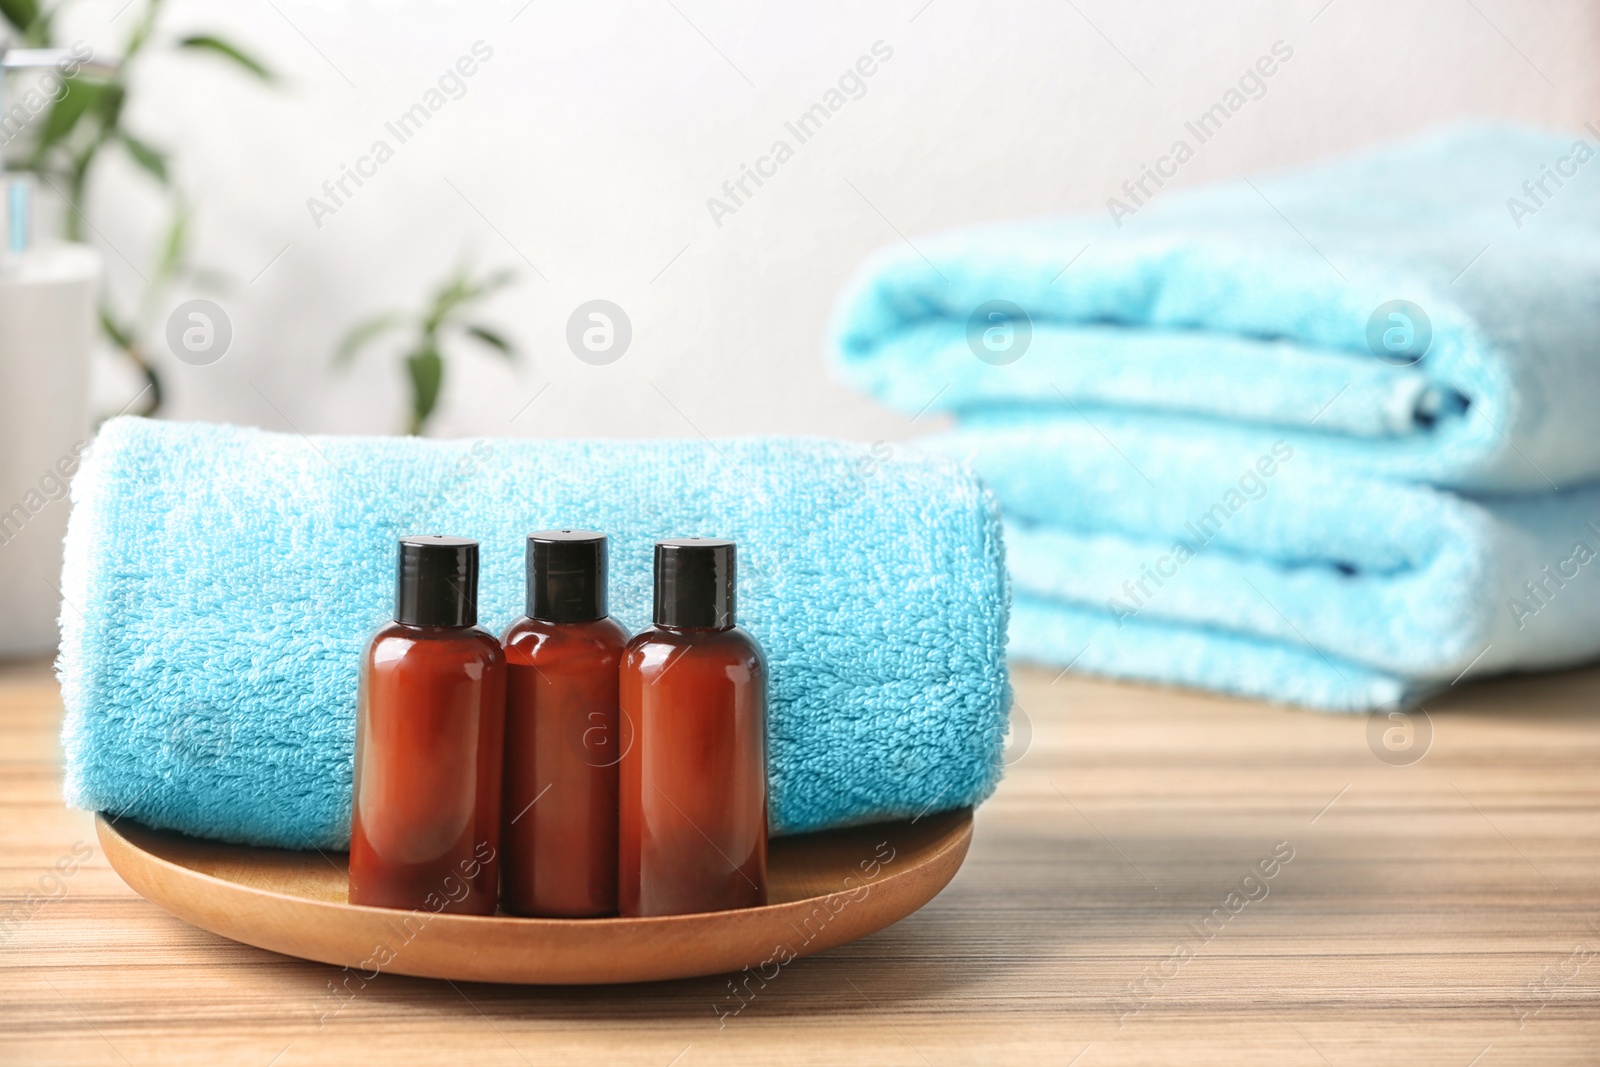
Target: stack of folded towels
{"points": [[1329, 436]]}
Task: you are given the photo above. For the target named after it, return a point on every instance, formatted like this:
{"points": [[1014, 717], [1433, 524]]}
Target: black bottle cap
{"points": [[566, 575], [438, 581], [695, 583]]}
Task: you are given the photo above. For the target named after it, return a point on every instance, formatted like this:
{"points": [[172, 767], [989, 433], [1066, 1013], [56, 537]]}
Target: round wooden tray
{"points": [[826, 889]]}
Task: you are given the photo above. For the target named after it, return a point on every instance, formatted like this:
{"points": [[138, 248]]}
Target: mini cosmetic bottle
{"points": [[693, 812], [562, 734], [425, 825]]}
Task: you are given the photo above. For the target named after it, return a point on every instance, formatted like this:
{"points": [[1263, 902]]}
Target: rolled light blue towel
{"points": [[1247, 564], [220, 584], [1270, 302]]}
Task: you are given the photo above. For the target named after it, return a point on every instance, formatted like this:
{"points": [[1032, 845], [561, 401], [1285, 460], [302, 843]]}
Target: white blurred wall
{"points": [[588, 144]]}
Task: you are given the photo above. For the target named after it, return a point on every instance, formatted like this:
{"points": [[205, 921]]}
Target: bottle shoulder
{"points": [[395, 640], [529, 637], [734, 645]]}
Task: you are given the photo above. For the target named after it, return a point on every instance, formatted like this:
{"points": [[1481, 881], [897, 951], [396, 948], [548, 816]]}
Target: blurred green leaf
{"points": [[427, 375], [365, 333], [152, 160], [488, 286], [461, 290], [446, 299], [109, 106], [67, 146], [66, 112], [20, 13], [217, 46], [493, 340], [441, 313], [175, 243], [142, 30], [498, 280], [120, 337]]}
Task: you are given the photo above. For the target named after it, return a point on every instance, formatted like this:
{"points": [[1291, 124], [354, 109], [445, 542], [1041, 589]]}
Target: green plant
{"points": [[424, 350], [86, 121], [26, 18]]}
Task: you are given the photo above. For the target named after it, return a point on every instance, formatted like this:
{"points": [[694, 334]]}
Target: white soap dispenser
{"points": [[47, 327]]}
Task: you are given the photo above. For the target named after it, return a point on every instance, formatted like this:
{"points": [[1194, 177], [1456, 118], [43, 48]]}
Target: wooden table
{"points": [[1114, 910]]}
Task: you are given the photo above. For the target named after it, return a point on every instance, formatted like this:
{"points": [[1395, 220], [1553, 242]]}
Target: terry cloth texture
{"points": [[1259, 302], [220, 584], [1258, 571], [1407, 337]]}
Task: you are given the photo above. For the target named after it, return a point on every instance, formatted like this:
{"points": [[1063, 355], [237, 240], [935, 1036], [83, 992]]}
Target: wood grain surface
{"points": [[1116, 908], [823, 890]]}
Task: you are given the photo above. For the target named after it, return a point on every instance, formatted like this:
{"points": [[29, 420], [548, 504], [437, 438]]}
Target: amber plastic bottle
{"points": [[693, 815], [562, 740], [425, 823]]}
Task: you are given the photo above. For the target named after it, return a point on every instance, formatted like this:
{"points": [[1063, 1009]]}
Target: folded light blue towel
{"points": [[221, 582], [1262, 302], [1259, 568], [1431, 510]]}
